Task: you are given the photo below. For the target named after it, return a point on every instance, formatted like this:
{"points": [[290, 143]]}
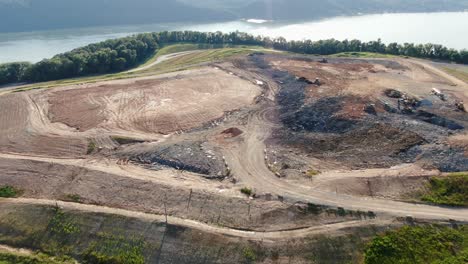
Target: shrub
{"points": [[249, 255], [8, 192], [451, 190], [91, 147], [311, 173], [73, 198], [247, 191]]}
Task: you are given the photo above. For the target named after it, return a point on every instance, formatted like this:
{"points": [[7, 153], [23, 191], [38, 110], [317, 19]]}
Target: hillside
{"points": [[312, 9], [27, 15]]}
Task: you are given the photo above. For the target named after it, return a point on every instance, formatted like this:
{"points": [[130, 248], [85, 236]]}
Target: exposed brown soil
{"points": [[186, 143], [156, 105], [22, 131], [232, 132]]}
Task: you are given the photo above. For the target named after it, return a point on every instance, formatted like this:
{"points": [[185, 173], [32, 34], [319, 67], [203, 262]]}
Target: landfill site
{"points": [[264, 150]]}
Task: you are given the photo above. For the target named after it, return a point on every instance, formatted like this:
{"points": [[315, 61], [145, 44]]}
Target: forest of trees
{"points": [[120, 54]]}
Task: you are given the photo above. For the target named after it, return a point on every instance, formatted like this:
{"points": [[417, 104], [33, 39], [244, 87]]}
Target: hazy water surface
{"points": [[449, 29]]}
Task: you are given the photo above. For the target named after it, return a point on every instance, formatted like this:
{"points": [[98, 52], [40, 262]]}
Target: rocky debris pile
{"points": [[413, 107], [304, 79], [187, 156], [442, 157]]}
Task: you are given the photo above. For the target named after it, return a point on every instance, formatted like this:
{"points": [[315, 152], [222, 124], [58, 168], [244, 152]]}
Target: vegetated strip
{"points": [[116, 55], [449, 190], [419, 244], [197, 225]]}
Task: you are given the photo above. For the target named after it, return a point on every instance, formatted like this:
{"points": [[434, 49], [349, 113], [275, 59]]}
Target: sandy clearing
{"points": [[22, 130], [110, 166], [153, 105]]}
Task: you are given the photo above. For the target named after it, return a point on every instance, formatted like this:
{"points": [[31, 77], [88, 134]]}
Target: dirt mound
{"points": [[379, 145], [442, 157], [327, 115], [232, 132], [438, 120], [188, 156]]}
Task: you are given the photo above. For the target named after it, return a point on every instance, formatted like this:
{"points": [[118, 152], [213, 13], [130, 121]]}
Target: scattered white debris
{"points": [[259, 82]]}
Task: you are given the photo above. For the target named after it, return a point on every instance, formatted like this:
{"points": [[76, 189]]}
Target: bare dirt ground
{"points": [[343, 144], [24, 130], [156, 105]]}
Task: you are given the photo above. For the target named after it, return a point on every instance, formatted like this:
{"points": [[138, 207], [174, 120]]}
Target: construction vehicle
{"points": [[439, 94], [460, 106]]}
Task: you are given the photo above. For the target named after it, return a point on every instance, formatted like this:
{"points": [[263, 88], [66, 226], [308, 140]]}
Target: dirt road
{"points": [[163, 58], [251, 235], [248, 165]]}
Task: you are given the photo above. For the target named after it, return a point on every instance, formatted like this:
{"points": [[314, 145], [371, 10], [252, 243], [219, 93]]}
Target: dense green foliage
{"points": [[119, 54], [419, 244], [450, 190], [109, 56], [13, 72], [8, 192]]}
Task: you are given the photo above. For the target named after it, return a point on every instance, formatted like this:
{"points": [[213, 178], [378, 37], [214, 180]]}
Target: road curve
{"points": [[163, 58]]}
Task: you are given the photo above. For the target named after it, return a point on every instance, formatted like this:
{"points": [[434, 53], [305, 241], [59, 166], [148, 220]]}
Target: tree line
{"points": [[117, 55]]}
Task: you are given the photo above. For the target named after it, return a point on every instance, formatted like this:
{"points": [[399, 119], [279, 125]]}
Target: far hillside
{"points": [[28, 15]]}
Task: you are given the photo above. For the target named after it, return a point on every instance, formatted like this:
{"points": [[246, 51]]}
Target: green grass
{"points": [[419, 245], [249, 255], [361, 55], [62, 225], [176, 64], [113, 249], [193, 59], [9, 192], [450, 190], [16, 258], [462, 75]]}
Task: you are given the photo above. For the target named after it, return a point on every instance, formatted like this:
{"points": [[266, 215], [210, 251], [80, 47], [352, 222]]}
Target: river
{"points": [[446, 28]]}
